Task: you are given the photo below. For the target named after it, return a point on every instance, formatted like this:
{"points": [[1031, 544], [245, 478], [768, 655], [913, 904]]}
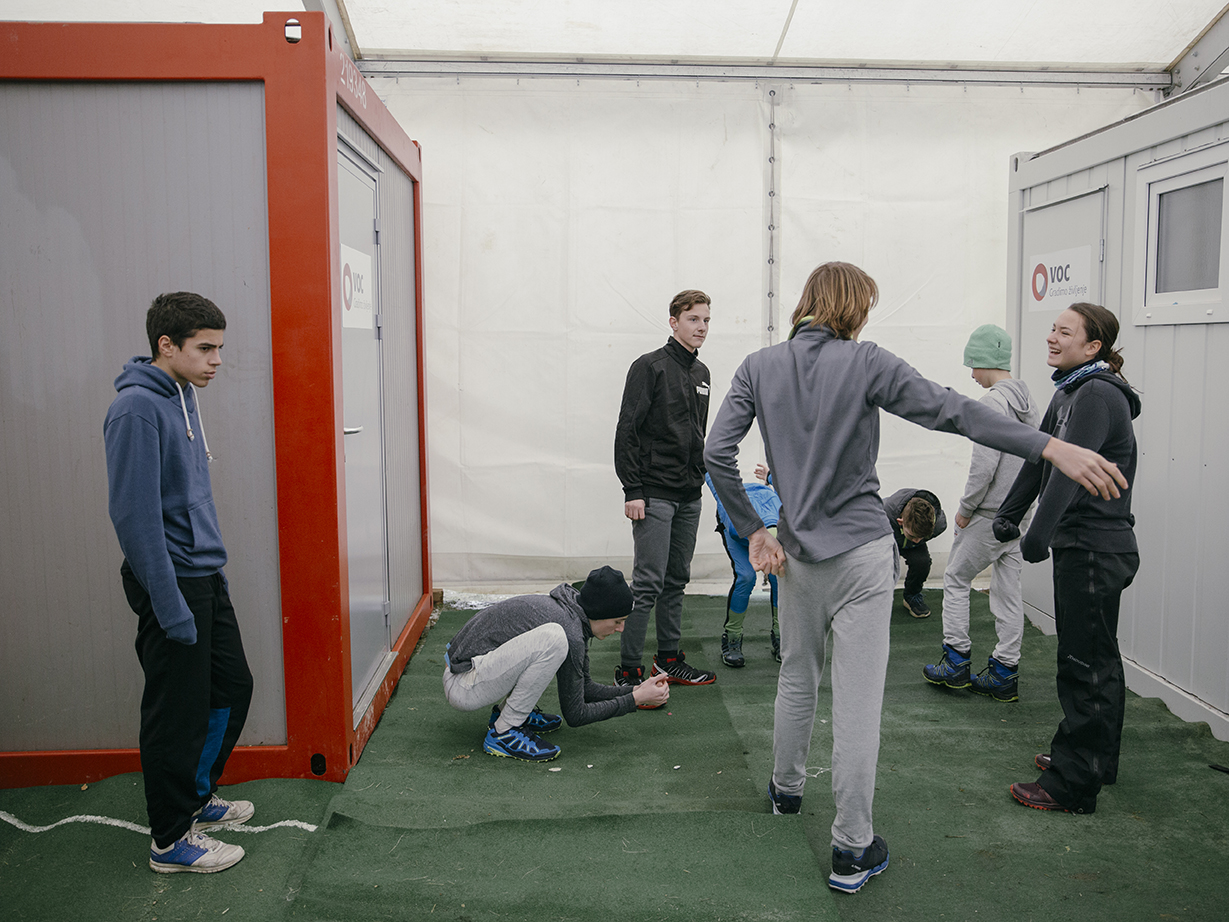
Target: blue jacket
{"points": [[158, 489], [764, 500]]}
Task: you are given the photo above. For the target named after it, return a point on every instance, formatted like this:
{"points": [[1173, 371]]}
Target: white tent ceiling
{"points": [[1034, 34]]}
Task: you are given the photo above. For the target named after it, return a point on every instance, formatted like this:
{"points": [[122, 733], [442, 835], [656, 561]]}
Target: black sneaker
{"points": [[680, 673], [850, 871], [917, 607], [783, 804], [630, 677], [732, 650]]}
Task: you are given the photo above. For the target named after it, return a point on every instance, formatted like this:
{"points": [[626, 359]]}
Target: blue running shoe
{"points": [[219, 812], [194, 852], [850, 871], [538, 722], [952, 670], [998, 681], [519, 743], [783, 804]]}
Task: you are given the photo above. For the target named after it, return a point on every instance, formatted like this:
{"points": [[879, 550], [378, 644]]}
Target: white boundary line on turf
{"points": [[144, 830]]}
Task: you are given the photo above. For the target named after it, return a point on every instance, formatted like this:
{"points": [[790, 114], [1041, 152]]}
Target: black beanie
{"points": [[605, 595]]}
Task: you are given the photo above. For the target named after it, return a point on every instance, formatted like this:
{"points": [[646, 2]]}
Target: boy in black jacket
{"points": [[659, 457]]}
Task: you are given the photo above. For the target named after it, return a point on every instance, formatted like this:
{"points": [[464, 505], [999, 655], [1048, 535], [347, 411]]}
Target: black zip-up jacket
{"points": [[659, 441], [1094, 412]]}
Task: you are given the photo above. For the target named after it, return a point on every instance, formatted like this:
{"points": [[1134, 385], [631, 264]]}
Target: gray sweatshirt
{"points": [[581, 700], [817, 399], [991, 472]]}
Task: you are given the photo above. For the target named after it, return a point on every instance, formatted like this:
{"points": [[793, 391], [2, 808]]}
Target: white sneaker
{"points": [[219, 812], [194, 852]]}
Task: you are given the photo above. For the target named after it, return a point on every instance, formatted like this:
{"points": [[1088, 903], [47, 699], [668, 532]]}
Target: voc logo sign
{"points": [[356, 301], [1059, 278]]}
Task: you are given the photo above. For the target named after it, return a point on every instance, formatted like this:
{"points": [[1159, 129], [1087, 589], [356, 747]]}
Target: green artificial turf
{"points": [[663, 815]]}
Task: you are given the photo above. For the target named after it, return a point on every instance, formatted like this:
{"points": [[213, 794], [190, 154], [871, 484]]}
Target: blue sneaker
{"points": [[850, 871], [998, 681], [195, 852], [952, 670], [219, 812], [519, 743], [538, 722], [783, 804]]}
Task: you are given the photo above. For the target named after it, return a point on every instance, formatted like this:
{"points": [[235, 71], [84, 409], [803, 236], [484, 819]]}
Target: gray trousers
{"points": [[851, 596], [664, 542], [974, 549], [520, 669]]}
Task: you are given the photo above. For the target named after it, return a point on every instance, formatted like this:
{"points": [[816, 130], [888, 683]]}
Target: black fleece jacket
{"points": [[1094, 412], [659, 440]]}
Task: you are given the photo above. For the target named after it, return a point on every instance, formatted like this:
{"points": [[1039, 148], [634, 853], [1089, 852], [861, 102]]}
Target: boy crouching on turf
{"points": [[509, 651], [915, 516]]}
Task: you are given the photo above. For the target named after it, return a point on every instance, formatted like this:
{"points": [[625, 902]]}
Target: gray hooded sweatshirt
{"points": [[817, 399], [992, 472]]}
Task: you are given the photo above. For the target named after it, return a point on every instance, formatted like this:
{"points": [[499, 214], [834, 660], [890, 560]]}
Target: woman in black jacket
{"points": [[1095, 557]]}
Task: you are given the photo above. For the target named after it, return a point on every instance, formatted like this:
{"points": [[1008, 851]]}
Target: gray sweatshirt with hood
{"points": [[817, 399], [581, 700], [992, 472]]}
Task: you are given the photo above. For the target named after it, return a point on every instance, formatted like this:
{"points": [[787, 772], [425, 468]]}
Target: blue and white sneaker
{"points": [[538, 722], [219, 812], [783, 804], [850, 871], [519, 743], [194, 852]]}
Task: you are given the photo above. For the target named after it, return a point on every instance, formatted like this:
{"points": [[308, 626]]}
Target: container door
{"points": [[366, 528], [1063, 252]]}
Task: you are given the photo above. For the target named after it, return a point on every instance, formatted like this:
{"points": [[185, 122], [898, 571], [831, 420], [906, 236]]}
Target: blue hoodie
{"points": [[159, 495]]}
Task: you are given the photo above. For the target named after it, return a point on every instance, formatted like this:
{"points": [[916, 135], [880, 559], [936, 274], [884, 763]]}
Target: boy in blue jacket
{"points": [[197, 682], [768, 506]]}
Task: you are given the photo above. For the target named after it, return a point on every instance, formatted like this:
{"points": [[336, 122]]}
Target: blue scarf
{"points": [[1079, 373]]}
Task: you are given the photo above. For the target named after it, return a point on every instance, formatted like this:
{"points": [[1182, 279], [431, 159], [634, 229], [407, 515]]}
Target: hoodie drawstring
{"points": [[199, 415]]}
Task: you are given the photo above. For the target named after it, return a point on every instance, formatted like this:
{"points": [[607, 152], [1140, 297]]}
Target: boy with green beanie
{"points": [[974, 546]]}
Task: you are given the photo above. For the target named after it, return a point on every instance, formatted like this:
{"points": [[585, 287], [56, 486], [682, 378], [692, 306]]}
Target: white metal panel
{"points": [[110, 194], [1174, 626]]}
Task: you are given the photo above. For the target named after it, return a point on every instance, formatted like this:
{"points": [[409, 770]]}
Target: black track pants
{"points": [[195, 701], [1091, 685]]}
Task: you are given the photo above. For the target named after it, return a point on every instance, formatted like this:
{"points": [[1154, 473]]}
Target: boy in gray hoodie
{"points": [[974, 546]]}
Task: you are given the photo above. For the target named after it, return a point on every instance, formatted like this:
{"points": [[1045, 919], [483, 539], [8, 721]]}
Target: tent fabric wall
{"points": [[562, 216]]}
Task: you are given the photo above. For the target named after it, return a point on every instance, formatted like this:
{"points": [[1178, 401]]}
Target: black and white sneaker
{"points": [[681, 673], [783, 804], [850, 871]]}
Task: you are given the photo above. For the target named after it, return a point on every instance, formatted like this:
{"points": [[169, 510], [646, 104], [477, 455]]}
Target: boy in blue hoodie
{"points": [[197, 682]]}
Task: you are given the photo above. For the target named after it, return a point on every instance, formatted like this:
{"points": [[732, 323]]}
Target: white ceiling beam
{"points": [[335, 10], [373, 67], [1204, 59]]}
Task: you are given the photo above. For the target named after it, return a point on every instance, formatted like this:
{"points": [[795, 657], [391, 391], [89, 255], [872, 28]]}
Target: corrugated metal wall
{"points": [[1174, 624], [110, 194], [399, 305]]}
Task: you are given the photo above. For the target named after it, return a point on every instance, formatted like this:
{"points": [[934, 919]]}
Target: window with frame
{"points": [[1185, 241]]}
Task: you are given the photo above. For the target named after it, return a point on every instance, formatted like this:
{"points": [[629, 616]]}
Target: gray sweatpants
{"points": [[974, 549], [520, 669], [664, 542], [851, 596]]}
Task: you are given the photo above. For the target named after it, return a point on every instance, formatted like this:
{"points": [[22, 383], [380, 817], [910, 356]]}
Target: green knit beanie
{"points": [[989, 347]]}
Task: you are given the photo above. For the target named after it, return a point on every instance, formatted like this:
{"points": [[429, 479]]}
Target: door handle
{"points": [[351, 430]]}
